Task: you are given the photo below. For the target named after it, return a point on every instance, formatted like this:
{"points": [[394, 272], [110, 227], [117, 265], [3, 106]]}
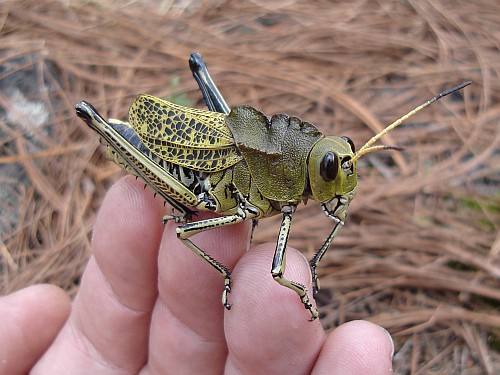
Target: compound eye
{"points": [[351, 143], [329, 167]]}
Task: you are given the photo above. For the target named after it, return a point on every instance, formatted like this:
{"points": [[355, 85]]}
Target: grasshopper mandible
{"points": [[238, 163]]}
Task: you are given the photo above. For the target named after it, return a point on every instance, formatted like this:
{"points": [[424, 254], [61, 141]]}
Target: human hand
{"points": [[147, 304]]}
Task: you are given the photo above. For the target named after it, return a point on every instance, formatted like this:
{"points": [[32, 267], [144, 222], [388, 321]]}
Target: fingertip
{"points": [[257, 294], [31, 319], [357, 347], [126, 240], [188, 283], [128, 208], [268, 327], [43, 301], [189, 316], [49, 299]]}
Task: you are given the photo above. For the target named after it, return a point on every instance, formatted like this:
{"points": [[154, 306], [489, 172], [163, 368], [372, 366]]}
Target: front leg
{"points": [[279, 260], [184, 232], [319, 255]]}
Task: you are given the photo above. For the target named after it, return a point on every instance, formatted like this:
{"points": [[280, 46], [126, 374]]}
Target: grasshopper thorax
{"points": [[332, 174]]}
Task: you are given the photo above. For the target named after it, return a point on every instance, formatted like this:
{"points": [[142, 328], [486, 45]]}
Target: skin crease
{"points": [[148, 305]]}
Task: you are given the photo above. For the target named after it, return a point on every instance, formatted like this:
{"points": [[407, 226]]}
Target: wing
{"points": [[188, 137]]}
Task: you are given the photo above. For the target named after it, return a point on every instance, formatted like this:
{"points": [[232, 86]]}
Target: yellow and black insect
{"points": [[238, 163]]}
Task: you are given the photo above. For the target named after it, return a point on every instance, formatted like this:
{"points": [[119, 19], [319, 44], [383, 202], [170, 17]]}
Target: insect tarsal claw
{"points": [[308, 306], [175, 218]]}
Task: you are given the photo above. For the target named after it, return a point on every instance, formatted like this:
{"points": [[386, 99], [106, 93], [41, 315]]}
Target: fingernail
{"points": [[392, 345], [390, 339]]}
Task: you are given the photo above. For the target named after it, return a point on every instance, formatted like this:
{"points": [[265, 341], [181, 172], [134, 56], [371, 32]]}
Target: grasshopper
{"points": [[238, 163]]}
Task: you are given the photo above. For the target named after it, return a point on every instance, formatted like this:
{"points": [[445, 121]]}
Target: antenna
{"points": [[368, 145]]}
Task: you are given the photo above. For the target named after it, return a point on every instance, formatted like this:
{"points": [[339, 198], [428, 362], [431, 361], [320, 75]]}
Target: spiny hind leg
{"points": [[184, 232]]}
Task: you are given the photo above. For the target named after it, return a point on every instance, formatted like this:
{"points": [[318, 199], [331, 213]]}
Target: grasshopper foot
{"points": [[175, 218], [314, 312]]}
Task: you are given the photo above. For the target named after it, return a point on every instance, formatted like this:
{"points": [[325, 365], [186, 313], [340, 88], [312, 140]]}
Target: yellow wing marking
{"points": [[189, 137]]}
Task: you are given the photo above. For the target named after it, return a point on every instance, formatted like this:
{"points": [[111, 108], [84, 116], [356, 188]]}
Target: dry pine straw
{"points": [[420, 251]]}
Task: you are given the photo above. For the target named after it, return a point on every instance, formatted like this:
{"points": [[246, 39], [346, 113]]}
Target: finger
{"points": [[187, 328], [268, 331], [357, 347], [109, 328], [30, 320]]}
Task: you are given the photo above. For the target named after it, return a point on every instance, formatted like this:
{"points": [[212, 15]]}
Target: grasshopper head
{"points": [[332, 174], [333, 161]]}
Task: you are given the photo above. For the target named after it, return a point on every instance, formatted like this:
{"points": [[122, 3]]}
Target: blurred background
{"points": [[420, 252]]}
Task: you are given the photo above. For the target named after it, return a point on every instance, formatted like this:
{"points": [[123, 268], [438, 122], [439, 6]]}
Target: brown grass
{"points": [[420, 251]]}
